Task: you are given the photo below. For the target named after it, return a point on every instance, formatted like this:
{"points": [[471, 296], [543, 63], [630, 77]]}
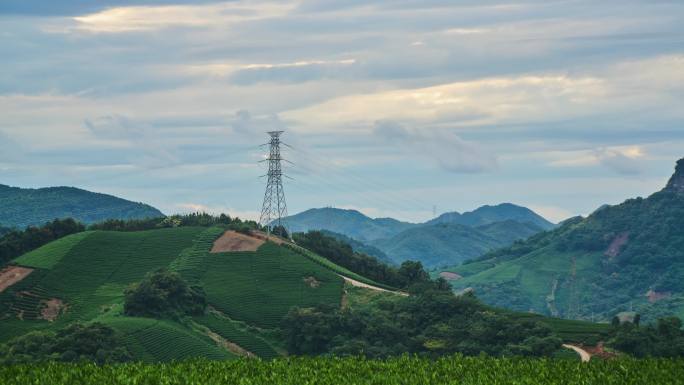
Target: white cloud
{"points": [[148, 18], [451, 152], [468, 103], [621, 159]]}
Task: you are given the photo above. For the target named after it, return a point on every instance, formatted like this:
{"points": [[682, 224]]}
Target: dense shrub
{"points": [[164, 294], [95, 342], [664, 339], [343, 255], [432, 323]]}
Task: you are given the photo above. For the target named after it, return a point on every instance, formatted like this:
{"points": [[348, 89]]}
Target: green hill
{"points": [[447, 244], [24, 207], [248, 292], [624, 257], [492, 214]]}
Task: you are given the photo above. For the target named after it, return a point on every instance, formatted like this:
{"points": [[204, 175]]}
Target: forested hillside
{"points": [[620, 258], [26, 207]]}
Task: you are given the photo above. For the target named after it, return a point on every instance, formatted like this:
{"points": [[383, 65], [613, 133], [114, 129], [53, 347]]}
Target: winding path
{"points": [[584, 355], [356, 283]]}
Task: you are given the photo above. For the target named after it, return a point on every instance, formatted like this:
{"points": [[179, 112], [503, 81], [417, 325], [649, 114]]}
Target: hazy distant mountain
{"points": [[23, 207], [472, 234], [347, 222], [450, 244], [621, 257], [491, 214]]}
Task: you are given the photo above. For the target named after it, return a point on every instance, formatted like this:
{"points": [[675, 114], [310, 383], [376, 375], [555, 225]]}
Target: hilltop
{"points": [[446, 240], [487, 214], [21, 207], [622, 258]]}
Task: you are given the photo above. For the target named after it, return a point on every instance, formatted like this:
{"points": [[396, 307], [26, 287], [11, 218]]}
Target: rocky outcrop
{"points": [[676, 183]]}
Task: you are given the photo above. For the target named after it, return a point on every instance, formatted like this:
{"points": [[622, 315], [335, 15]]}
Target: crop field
{"points": [[89, 272], [571, 330], [260, 287], [359, 371], [234, 332], [162, 341]]}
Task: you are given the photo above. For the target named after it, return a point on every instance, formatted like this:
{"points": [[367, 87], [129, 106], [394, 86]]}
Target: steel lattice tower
{"points": [[274, 209]]}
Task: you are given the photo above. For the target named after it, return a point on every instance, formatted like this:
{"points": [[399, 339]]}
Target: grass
{"points": [[356, 370]]}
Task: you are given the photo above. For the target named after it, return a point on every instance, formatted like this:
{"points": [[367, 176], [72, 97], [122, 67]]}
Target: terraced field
{"points": [[89, 272], [260, 287]]}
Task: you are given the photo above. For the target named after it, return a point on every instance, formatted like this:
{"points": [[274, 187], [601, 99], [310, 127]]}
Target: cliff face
{"points": [[676, 183]]}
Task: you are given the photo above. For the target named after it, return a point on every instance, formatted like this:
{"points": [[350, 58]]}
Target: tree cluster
{"points": [[342, 254], [193, 219], [164, 294], [432, 323], [77, 342], [663, 339], [16, 243]]}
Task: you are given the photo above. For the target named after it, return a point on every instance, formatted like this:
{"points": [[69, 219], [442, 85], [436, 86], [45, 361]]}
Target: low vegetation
{"points": [[357, 370]]}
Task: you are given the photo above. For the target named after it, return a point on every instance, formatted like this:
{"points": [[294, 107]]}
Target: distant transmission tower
{"points": [[274, 209]]}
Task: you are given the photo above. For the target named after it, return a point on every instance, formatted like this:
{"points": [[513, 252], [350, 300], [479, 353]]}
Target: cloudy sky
{"points": [[396, 108]]}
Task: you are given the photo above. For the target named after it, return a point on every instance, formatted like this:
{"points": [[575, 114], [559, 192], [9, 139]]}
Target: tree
{"points": [[164, 294], [412, 272]]}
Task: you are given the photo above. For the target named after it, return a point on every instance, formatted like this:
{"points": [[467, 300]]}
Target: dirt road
{"points": [[584, 355], [356, 283]]}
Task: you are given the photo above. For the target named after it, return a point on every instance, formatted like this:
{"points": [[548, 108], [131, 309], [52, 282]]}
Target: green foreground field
{"points": [[359, 371]]}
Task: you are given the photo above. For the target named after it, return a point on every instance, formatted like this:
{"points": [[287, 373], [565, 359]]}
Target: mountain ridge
{"points": [[621, 257], [21, 207]]}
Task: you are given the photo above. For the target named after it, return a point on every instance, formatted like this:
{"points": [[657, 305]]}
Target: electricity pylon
{"points": [[274, 209]]}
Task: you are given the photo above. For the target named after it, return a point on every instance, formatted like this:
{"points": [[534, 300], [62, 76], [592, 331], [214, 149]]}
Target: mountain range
{"points": [[448, 239], [620, 259], [20, 207]]}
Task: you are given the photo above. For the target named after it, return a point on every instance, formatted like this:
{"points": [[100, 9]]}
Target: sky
{"points": [[400, 108]]}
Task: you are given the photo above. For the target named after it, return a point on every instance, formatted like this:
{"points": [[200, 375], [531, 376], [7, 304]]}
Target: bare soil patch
{"points": [[655, 296], [230, 346], [263, 236], [52, 309], [617, 244], [449, 276], [584, 355], [312, 282], [234, 241], [11, 275]]}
